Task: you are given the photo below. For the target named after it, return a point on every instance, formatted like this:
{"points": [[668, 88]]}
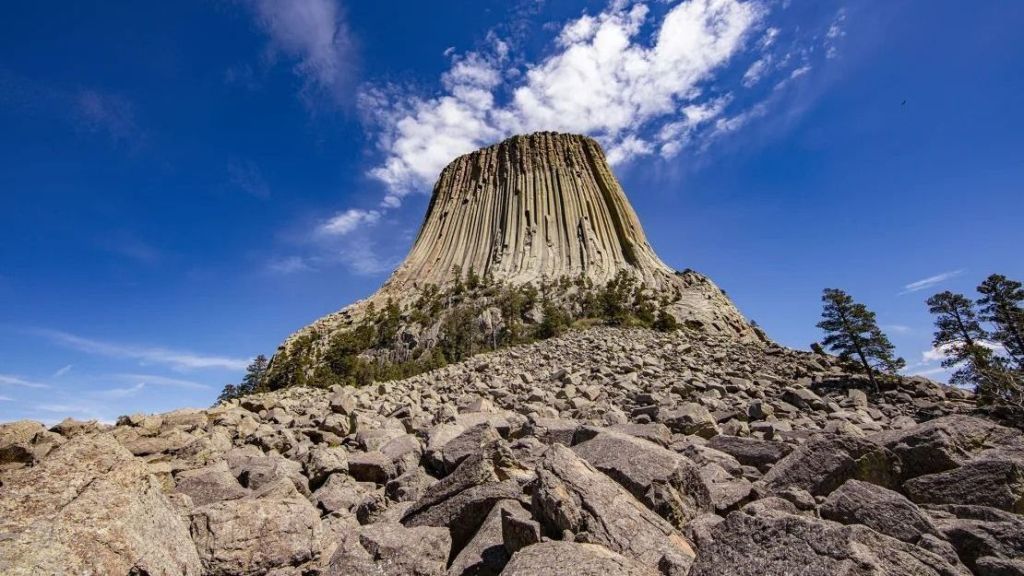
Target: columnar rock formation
{"points": [[539, 206], [535, 208]]}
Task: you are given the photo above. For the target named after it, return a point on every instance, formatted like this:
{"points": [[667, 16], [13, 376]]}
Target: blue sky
{"points": [[186, 183]]}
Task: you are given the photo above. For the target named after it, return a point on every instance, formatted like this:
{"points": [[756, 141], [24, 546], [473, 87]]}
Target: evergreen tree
{"points": [[963, 341], [851, 331], [1001, 305], [230, 391], [254, 377]]}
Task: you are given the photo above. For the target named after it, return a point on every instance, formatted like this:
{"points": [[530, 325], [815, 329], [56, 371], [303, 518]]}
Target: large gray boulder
{"points": [[211, 483], [572, 559], [774, 542], [880, 509], [997, 483], [571, 495], [485, 554], [976, 532], [668, 483], [754, 452], [90, 507], [462, 500], [822, 465], [251, 536], [389, 549], [948, 442]]}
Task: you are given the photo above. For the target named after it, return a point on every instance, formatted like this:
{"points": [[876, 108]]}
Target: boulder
{"points": [[91, 507], [571, 495], [486, 554], [251, 536], [341, 493], [761, 454], [16, 442], [880, 509], [371, 467], [572, 559], [774, 542], [668, 483], [822, 465], [211, 483], [994, 483], [322, 461], [946, 443], [976, 532], [462, 500], [390, 549], [690, 418]]}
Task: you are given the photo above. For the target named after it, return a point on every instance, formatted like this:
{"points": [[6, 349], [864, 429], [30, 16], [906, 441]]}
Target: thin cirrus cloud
{"points": [[176, 359], [646, 80], [315, 34], [163, 381], [930, 281], [10, 380]]}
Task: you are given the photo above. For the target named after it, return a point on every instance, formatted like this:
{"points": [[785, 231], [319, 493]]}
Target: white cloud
{"points": [[63, 371], [16, 381], [315, 33], [930, 281], [122, 392], [6, 399], [177, 359], [289, 265], [154, 380], [606, 78], [344, 222], [897, 328], [937, 353]]}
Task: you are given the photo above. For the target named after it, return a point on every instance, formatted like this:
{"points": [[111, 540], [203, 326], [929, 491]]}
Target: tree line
{"points": [[982, 339]]}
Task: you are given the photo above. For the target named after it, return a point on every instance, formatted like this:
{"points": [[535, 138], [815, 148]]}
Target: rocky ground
{"points": [[600, 452]]}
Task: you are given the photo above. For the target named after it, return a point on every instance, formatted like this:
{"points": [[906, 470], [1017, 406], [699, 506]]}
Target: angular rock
{"points": [[485, 554], [322, 461], [690, 418], [91, 508], [778, 543], [880, 509], [371, 467], [668, 483], [822, 465], [572, 559], [945, 443], [388, 549], [212, 483], [994, 483], [570, 494], [754, 452], [251, 536]]}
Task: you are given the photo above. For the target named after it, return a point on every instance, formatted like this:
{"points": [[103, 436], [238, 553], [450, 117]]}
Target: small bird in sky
{"points": [[904, 103]]}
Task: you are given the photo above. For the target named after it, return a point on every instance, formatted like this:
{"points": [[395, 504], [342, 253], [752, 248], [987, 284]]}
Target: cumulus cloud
{"points": [[315, 34], [606, 76], [930, 281], [177, 359]]}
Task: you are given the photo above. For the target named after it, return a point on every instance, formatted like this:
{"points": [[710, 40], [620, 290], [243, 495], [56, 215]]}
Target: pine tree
{"points": [[851, 330], [230, 391], [965, 344], [254, 376], [1001, 305]]}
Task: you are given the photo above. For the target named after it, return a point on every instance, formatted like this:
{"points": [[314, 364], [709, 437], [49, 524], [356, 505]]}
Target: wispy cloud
{"points": [[247, 177], [155, 380], [316, 35], [289, 265], [17, 381], [6, 399], [938, 353], [63, 371], [110, 114], [897, 328], [177, 359], [930, 281], [122, 392]]}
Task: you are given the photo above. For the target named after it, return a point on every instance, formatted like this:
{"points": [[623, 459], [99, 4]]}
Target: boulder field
{"points": [[604, 451]]}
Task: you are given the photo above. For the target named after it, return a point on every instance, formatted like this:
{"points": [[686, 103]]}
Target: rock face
{"points": [[605, 451], [538, 207]]}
